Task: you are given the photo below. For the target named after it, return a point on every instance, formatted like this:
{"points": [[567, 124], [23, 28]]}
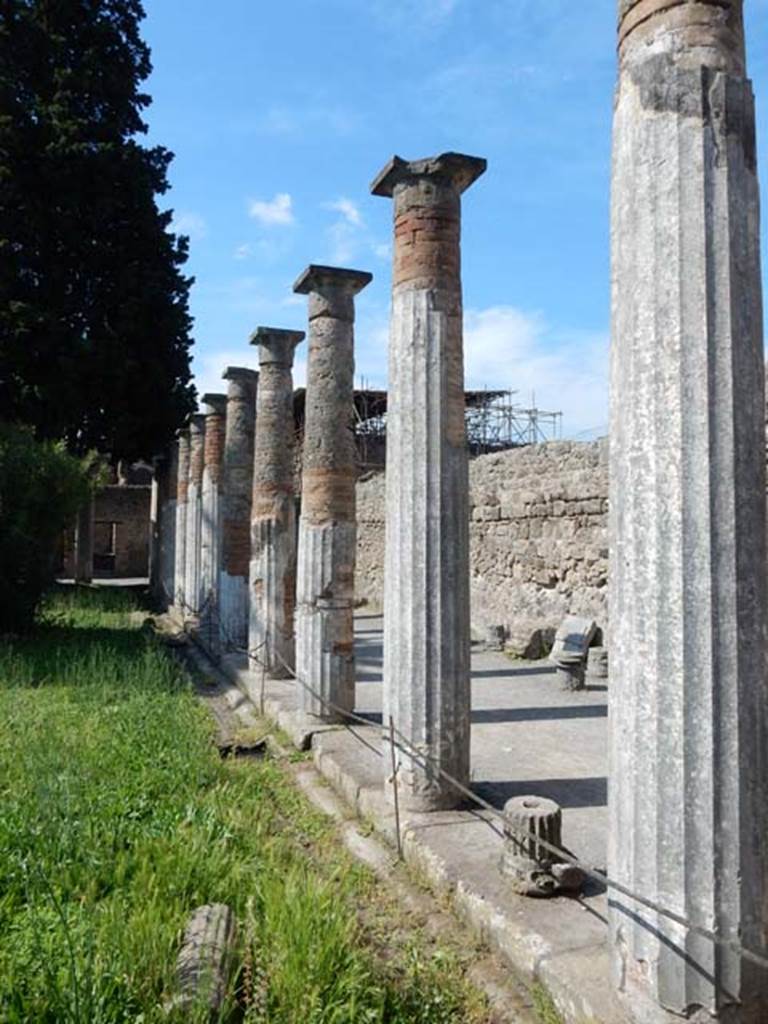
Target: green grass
{"points": [[119, 818], [544, 1005]]}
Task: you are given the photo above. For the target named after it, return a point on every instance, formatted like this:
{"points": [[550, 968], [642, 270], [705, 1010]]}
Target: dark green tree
{"points": [[94, 321], [41, 488]]}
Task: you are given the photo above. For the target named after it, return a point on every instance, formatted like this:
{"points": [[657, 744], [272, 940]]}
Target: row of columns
{"points": [[236, 570], [688, 785]]}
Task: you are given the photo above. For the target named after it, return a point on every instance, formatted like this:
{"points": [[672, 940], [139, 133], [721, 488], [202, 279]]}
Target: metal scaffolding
{"points": [[495, 422]]}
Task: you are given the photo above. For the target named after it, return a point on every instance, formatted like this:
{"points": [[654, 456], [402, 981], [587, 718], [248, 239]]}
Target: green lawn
{"points": [[118, 818]]}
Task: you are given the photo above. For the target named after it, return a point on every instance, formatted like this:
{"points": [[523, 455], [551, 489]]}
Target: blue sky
{"points": [[280, 115]]}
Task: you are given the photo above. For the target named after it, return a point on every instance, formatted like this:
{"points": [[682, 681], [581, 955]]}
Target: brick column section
{"points": [[426, 572], [325, 588], [179, 559], [238, 489], [273, 511], [688, 793], [210, 547], [194, 516]]}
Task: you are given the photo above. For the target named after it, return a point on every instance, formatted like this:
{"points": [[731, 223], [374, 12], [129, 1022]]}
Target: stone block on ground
{"points": [[597, 663], [204, 961], [529, 640], [531, 857], [573, 638]]}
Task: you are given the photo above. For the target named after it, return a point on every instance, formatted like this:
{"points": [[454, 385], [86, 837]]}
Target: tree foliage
{"points": [[94, 322], [41, 488]]}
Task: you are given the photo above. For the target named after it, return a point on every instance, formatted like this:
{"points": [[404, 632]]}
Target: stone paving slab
{"points": [[528, 736]]}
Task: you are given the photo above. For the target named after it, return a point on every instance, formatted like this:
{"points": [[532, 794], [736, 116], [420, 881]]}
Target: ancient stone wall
{"points": [[538, 537], [127, 507]]}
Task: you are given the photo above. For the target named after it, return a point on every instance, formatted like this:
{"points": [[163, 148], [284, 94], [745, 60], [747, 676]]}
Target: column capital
{"points": [[458, 169], [276, 345], [317, 278], [197, 423], [240, 373], [217, 404], [701, 32]]}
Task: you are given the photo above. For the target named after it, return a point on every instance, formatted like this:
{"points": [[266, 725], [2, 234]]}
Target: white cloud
{"points": [[344, 240], [186, 222], [564, 371], [278, 210], [511, 349], [345, 234], [382, 251], [348, 236], [348, 210], [242, 252]]}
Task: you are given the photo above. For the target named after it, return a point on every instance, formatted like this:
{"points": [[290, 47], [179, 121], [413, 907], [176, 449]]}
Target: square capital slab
{"points": [[217, 404], [243, 373], [317, 277], [276, 345], [457, 168]]}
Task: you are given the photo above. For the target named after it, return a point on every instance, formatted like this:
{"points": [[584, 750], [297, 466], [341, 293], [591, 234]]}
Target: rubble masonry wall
{"points": [[538, 538]]}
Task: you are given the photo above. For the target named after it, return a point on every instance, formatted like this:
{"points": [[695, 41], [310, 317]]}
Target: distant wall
{"points": [[127, 507], [538, 538]]}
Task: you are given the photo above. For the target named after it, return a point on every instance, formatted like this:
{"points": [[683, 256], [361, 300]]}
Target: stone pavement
{"points": [[528, 737]]}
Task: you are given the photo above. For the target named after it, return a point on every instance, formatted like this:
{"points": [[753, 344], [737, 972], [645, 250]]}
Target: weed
{"points": [[119, 819], [544, 1005]]}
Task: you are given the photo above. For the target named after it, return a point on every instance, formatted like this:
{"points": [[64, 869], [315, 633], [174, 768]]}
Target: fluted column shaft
{"points": [[154, 526], [194, 517], [426, 572], [163, 526], [168, 498], [689, 745], [210, 547], [236, 516], [273, 512], [180, 550], [325, 589]]}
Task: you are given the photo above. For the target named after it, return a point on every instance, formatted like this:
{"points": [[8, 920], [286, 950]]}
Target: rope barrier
{"points": [[426, 761]]}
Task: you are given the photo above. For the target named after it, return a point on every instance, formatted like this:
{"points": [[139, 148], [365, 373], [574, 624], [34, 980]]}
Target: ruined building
{"points": [[661, 540]]}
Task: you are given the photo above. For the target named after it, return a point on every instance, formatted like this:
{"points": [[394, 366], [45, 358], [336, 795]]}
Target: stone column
{"points": [[157, 486], [84, 543], [210, 534], [236, 526], [167, 521], [182, 487], [689, 745], [426, 569], [194, 515], [325, 587], [273, 512]]}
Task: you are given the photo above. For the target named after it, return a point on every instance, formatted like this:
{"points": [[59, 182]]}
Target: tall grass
{"points": [[118, 818]]}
